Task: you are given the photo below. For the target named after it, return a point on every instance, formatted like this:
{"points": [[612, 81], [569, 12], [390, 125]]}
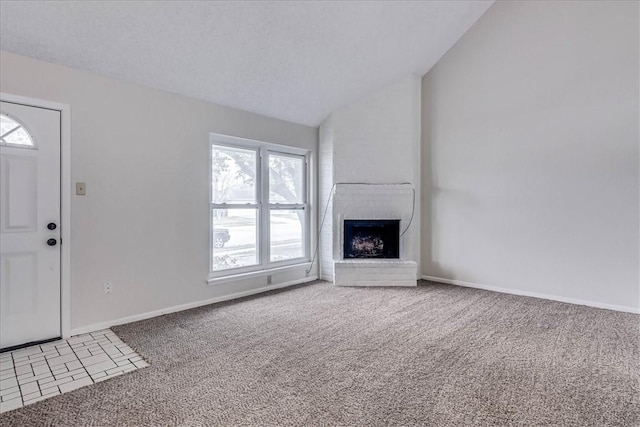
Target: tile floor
{"points": [[38, 372]]}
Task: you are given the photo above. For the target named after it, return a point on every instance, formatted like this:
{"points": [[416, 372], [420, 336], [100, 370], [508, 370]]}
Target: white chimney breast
{"points": [[373, 141]]}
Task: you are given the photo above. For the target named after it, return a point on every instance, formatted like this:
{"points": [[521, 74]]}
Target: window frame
{"points": [[262, 205]]}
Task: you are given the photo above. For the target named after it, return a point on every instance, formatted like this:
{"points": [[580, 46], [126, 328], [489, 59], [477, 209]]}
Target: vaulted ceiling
{"points": [[296, 61]]}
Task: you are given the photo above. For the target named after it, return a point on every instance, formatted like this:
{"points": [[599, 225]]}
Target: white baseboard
{"points": [[148, 315], [623, 308]]}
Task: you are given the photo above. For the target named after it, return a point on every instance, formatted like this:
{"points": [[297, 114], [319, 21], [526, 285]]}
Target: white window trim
{"points": [[264, 265], [303, 266]]}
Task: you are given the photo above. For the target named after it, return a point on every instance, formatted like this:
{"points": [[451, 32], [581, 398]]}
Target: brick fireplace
{"points": [[373, 217]]}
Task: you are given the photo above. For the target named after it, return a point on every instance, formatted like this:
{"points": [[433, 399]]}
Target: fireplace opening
{"points": [[371, 238]]}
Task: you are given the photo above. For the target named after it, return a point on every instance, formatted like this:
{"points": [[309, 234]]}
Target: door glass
{"points": [[13, 133]]}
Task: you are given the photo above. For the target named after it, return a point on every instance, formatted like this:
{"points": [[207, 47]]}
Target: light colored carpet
{"points": [[436, 355]]}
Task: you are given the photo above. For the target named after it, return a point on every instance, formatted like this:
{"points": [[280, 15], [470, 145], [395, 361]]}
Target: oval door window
{"points": [[13, 133]]}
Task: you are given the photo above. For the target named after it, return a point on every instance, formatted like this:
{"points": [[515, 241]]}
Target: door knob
{"points": [[52, 242], [52, 226]]}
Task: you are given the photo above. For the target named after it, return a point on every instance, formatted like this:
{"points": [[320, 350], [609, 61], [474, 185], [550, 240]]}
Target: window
{"points": [[13, 133], [259, 206]]}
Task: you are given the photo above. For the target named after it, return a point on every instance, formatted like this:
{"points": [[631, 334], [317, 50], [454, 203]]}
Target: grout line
{"points": [[82, 364], [13, 362], [50, 369], [108, 342]]}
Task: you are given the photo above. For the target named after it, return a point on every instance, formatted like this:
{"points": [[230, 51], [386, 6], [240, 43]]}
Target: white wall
{"points": [[144, 154], [375, 140], [530, 153]]}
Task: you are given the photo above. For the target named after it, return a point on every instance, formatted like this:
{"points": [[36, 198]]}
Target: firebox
{"points": [[371, 238]]}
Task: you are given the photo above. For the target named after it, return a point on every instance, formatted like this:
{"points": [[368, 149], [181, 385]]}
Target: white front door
{"points": [[29, 224]]}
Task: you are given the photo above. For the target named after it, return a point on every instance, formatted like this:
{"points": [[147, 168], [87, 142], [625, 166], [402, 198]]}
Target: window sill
{"points": [[218, 280]]}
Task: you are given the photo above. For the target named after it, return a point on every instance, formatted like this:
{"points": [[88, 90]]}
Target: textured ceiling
{"points": [[296, 61]]}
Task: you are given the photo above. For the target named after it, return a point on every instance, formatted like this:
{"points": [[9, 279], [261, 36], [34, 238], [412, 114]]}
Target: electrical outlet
{"points": [[268, 279], [108, 288]]}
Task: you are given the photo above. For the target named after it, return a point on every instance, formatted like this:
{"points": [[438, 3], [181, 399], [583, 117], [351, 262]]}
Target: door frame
{"points": [[65, 200]]}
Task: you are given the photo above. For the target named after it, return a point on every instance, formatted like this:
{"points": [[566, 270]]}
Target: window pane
{"points": [[234, 175], [234, 240], [11, 132], [287, 238], [286, 179], [7, 125], [19, 137]]}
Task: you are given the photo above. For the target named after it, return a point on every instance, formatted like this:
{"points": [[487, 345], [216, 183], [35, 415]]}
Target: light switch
{"points": [[81, 189]]}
